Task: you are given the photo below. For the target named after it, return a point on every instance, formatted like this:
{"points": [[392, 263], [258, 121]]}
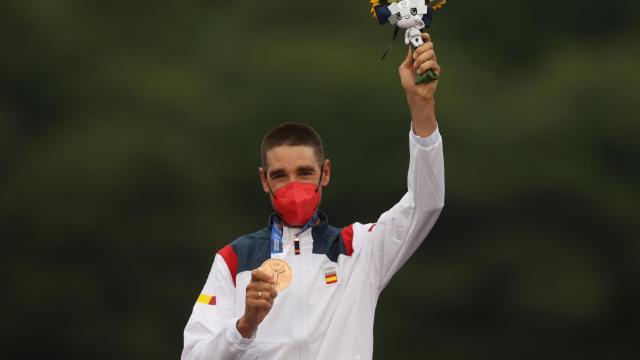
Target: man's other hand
{"points": [[259, 300], [420, 96], [420, 60]]}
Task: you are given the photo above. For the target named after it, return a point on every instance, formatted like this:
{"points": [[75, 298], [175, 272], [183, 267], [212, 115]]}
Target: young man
{"points": [[315, 297]]}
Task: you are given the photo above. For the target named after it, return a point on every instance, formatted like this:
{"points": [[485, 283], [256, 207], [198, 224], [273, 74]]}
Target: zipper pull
{"points": [[296, 245]]}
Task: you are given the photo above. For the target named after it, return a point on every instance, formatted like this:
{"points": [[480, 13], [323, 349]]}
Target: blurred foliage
{"points": [[129, 138]]}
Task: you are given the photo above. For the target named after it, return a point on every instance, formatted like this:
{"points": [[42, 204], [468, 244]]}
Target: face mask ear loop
{"points": [[269, 186], [321, 172]]}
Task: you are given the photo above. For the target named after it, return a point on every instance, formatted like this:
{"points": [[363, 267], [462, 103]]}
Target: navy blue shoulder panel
{"points": [[252, 249], [327, 240]]}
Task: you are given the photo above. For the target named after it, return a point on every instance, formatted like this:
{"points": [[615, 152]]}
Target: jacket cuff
{"points": [[428, 141], [234, 336]]}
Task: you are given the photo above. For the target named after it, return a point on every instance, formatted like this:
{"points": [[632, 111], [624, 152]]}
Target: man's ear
{"points": [[326, 173], [263, 178]]}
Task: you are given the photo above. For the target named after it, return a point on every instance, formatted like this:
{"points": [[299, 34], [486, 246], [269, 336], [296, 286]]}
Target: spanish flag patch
{"points": [[330, 279], [330, 275], [207, 299]]}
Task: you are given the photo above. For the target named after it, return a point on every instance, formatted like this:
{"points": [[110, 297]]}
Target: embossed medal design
{"points": [[279, 271]]}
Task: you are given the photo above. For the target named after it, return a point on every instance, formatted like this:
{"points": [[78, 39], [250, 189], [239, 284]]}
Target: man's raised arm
{"points": [[388, 244]]}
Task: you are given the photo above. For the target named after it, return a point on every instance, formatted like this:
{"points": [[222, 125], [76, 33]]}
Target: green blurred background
{"points": [[129, 139]]}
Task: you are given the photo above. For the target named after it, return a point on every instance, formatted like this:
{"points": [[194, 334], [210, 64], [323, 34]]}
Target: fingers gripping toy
{"points": [[411, 15]]}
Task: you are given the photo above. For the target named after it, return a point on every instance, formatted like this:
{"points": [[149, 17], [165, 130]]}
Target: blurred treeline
{"points": [[129, 138]]}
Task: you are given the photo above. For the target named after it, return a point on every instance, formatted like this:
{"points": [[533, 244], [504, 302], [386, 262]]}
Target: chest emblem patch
{"points": [[330, 275]]}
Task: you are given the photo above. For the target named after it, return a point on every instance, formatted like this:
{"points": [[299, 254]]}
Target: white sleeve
{"points": [[390, 242], [211, 332]]}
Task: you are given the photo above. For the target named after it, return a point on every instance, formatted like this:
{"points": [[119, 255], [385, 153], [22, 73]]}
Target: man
{"points": [[333, 277]]}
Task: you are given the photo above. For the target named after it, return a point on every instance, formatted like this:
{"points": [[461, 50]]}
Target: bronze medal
{"points": [[279, 271]]}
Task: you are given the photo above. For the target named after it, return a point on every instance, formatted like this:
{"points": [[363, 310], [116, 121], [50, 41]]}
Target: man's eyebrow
{"points": [[275, 172], [306, 168]]}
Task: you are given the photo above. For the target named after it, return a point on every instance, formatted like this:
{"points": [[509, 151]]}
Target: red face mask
{"points": [[296, 202]]}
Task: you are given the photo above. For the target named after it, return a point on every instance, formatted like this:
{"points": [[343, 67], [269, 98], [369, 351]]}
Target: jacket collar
{"points": [[317, 231]]}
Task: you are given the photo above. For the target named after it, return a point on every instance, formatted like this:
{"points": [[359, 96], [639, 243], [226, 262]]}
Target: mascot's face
{"points": [[409, 12], [405, 11]]}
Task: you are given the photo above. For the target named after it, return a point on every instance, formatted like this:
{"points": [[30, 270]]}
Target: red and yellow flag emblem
{"points": [[207, 299], [330, 279], [330, 275]]}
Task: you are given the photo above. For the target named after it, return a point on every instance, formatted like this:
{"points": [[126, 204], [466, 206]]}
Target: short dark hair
{"points": [[292, 134]]}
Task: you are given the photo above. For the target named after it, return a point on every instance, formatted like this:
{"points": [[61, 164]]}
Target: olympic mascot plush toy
{"points": [[411, 15]]}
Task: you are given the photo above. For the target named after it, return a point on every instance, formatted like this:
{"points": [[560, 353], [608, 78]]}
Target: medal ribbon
{"points": [[277, 246]]}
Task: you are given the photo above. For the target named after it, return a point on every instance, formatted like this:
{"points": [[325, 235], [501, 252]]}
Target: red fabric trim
{"points": [[372, 226], [230, 257], [347, 237]]}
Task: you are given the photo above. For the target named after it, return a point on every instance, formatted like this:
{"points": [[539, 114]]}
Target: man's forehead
{"points": [[286, 156]]}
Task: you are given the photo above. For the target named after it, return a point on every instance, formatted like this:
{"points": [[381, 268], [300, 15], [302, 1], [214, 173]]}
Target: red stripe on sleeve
{"points": [[230, 257], [347, 237]]}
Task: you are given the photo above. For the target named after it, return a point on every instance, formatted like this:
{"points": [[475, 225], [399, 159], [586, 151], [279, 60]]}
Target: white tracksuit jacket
{"points": [[327, 312]]}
